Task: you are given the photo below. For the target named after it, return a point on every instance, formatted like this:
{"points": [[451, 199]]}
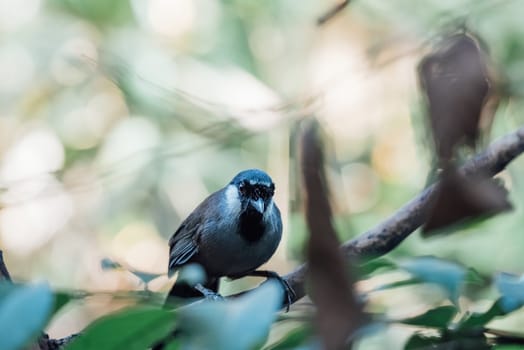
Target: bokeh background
{"points": [[118, 117]]}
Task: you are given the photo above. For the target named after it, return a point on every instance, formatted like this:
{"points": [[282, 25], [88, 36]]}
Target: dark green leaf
{"points": [[477, 320], [24, 312], [438, 317], [418, 341], [473, 277], [173, 345], [131, 329], [376, 264], [61, 299], [397, 284], [506, 337]]}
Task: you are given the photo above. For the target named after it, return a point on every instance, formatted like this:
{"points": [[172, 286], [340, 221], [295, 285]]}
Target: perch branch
{"points": [[390, 233], [387, 235]]}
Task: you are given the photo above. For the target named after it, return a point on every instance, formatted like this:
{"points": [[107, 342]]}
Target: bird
{"points": [[230, 234]]}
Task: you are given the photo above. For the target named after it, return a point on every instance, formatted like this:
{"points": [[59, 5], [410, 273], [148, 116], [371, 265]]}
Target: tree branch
{"points": [[384, 237], [387, 235], [332, 12]]}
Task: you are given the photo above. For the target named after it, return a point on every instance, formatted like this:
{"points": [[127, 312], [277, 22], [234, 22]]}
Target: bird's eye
{"points": [[242, 188]]}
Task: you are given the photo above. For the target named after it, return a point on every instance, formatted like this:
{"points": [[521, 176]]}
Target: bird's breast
{"points": [[251, 226], [224, 251]]}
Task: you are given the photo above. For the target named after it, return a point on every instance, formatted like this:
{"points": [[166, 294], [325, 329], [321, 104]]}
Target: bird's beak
{"points": [[258, 205]]}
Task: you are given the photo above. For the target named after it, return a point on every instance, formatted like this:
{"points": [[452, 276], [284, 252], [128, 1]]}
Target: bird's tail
{"points": [[183, 290]]}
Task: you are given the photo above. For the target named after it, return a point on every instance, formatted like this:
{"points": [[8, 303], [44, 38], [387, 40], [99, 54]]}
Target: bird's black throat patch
{"points": [[251, 225]]}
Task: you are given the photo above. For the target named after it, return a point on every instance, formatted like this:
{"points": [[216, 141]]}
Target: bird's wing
{"points": [[183, 245]]}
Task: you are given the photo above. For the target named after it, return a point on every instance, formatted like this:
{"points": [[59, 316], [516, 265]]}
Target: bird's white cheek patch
{"points": [[232, 200]]}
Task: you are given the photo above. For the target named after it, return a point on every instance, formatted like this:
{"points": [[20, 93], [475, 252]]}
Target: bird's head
{"points": [[255, 191]]}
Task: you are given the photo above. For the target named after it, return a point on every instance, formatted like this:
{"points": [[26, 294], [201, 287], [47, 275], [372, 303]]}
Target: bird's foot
{"points": [[208, 293], [290, 293]]}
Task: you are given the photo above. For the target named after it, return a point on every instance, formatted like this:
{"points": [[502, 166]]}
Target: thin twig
{"points": [[332, 13]]}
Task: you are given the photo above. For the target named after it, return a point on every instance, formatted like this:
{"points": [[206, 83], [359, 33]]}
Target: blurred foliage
{"points": [[118, 117], [136, 328], [24, 311]]}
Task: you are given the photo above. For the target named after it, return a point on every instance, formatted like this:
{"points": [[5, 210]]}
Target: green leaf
{"points": [[506, 337], [24, 312], [97, 11], [173, 345], [473, 277], [131, 329], [418, 341], [396, 284], [61, 299], [372, 266], [448, 275], [512, 289], [242, 323], [438, 317], [293, 339], [478, 320]]}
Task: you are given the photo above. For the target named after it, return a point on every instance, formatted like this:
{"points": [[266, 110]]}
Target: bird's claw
{"points": [[208, 293], [214, 297], [290, 293]]}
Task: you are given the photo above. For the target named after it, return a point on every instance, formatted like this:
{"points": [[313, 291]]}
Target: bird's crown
{"points": [[252, 177]]}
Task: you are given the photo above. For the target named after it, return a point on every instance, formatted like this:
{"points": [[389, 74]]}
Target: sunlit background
{"points": [[118, 117]]}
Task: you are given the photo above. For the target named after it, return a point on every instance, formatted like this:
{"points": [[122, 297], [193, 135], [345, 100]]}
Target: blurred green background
{"points": [[118, 117]]}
